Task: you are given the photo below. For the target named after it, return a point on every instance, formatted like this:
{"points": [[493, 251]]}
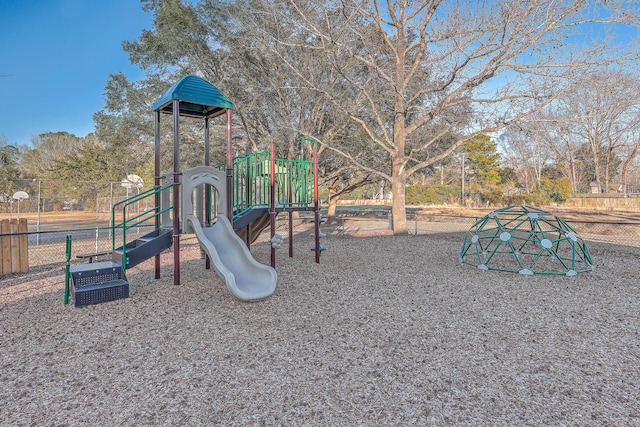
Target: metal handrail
{"points": [[294, 182], [129, 223], [297, 188]]}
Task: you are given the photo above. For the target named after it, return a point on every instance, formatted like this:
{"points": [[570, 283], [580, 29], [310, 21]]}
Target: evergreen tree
{"points": [[484, 160]]}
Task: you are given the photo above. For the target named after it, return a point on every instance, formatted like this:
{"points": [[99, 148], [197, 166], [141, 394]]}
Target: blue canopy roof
{"points": [[197, 97]]}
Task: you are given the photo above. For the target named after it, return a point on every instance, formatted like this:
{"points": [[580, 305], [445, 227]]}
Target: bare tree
{"points": [[393, 87], [554, 128], [46, 149], [621, 129], [600, 110], [603, 109], [630, 157], [525, 153], [462, 68]]}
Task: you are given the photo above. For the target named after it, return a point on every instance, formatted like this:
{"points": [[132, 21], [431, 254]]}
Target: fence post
{"points": [[66, 270], [23, 245], [14, 246]]}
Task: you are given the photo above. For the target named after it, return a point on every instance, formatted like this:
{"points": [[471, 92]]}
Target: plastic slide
{"points": [[246, 278]]}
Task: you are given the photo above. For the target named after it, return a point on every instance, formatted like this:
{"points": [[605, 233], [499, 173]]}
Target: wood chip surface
{"points": [[385, 331]]}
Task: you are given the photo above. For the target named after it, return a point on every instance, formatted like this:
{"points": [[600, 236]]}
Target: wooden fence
{"points": [[14, 250], [606, 202]]}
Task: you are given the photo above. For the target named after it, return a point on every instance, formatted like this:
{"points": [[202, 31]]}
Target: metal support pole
{"points": [[156, 182], [316, 204], [272, 199], [176, 192], [229, 169], [206, 141], [39, 209], [111, 210], [290, 233], [207, 189], [462, 175], [67, 271]]}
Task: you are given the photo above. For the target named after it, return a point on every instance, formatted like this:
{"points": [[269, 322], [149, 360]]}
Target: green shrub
{"points": [[485, 195], [558, 189], [531, 199]]}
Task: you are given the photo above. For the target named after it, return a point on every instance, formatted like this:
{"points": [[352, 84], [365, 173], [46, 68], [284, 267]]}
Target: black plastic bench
{"points": [[93, 255]]}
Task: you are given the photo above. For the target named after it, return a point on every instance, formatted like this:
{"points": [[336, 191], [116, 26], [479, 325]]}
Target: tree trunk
{"points": [[607, 171], [598, 180], [538, 167], [333, 204], [625, 167], [333, 200], [595, 150], [398, 156], [572, 174], [398, 208], [526, 181]]}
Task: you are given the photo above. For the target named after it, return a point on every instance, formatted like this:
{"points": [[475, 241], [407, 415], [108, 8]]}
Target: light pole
{"points": [[462, 180], [38, 222], [20, 196], [110, 209]]}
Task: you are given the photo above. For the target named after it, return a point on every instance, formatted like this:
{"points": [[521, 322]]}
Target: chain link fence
{"points": [[56, 201], [47, 248], [625, 234], [56, 208]]}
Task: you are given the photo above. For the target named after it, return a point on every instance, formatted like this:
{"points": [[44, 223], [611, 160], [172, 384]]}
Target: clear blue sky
{"points": [[55, 59]]}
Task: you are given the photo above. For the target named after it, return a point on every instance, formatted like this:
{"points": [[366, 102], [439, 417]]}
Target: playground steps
{"points": [[98, 282], [145, 247]]}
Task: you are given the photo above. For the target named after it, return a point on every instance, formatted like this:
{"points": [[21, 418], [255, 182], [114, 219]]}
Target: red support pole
{"points": [[229, 169], [272, 199], [316, 204]]}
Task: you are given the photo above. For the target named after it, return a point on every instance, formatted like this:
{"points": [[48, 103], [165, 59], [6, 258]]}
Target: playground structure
{"points": [[525, 240], [226, 209]]}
